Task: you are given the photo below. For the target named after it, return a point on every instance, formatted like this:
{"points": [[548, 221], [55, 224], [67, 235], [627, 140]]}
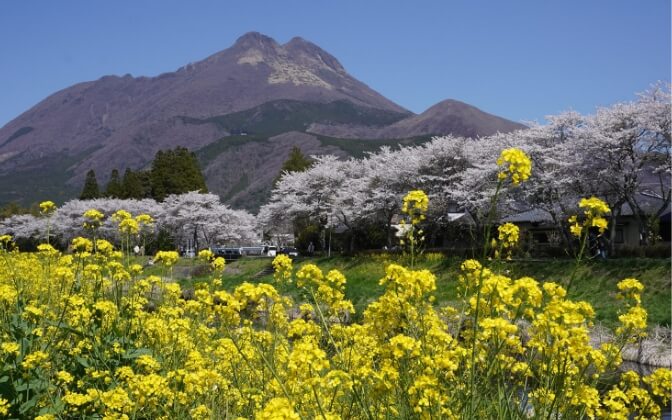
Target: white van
{"points": [[271, 250]]}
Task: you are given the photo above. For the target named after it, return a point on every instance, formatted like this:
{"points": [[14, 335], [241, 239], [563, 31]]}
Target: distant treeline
{"points": [[172, 172]]}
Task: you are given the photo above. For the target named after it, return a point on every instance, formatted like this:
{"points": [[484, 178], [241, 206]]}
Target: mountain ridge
{"points": [[122, 121]]}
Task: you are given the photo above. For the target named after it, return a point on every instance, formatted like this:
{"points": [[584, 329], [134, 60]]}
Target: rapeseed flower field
{"points": [[87, 334]]}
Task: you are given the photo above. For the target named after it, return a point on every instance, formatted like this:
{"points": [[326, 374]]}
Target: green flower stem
{"points": [[488, 228]]}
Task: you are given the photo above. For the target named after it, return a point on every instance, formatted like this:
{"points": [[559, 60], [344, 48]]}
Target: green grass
{"points": [[191, 271], [595, 282]]}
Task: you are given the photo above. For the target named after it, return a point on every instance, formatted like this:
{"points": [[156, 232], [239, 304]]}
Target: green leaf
{"points": [[134, 354], [30, 404]]}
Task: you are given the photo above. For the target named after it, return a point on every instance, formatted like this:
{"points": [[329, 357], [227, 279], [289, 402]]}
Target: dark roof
{"points": [[530, 216]]}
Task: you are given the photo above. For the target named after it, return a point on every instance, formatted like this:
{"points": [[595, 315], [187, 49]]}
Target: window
{"points": [[540, 237]]}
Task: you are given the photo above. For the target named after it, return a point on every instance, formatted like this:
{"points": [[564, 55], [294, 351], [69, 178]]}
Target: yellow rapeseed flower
{"points": [[168, 258], [104, 247], [144, 219], [508, 234], [282, 266], [47, 207], [415, 204], [76, 399], [277, 409], [93, 218], [516, 164], [218, 264], [594, 207], [594, 210], [633, 321], [630, 289], [121, 215], [80, 244], [4, 407], [10, 348], [660, 382], [129, 226], [64, 377], [206, 255], [35, 359]]}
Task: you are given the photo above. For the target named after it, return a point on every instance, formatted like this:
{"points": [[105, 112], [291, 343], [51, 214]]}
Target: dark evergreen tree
{"points": [[176, 172], [296, 162], [131, 185], [90, 190], [145, 179], [114, 188]]}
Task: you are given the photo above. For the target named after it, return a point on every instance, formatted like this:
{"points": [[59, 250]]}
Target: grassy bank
{"points": [[595, 281]]}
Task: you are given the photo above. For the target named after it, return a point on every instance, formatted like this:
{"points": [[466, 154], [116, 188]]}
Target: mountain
{"points": [[446, 117], [240, 109]]}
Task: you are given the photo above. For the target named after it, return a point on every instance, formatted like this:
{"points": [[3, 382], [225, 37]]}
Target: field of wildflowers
{"points": [[87, 334]]}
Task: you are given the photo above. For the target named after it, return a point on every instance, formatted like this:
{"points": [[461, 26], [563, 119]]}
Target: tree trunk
{"points": [[565, 236], [612, 230]]}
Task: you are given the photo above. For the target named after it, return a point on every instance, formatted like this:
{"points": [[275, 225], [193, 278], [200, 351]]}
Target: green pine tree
{"points": [[132, 186], [145, 179], [90, 190], [296, 162], [114, 188], [175, 172]]}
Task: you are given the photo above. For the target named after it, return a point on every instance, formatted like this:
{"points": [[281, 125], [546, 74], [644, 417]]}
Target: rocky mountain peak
{"points": [[255, 39], [300, 48], [254, 48]]}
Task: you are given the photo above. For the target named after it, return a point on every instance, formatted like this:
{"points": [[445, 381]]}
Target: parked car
{"points": [[290, 251]]}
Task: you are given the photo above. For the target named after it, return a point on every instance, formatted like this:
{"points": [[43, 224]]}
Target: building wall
{"points": [[630, 232]]}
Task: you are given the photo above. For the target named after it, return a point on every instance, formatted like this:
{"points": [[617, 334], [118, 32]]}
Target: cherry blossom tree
{"points": [[203, 219], [312, 195], [629, 152], [24, 226], [194, 216]]}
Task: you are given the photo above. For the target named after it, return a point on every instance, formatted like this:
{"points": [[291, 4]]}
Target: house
{"points": [[541, 229], [537, 224], [629, 232]]}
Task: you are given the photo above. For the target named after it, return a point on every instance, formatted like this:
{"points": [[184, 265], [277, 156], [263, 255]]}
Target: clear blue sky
{"points": [[521, 59]]}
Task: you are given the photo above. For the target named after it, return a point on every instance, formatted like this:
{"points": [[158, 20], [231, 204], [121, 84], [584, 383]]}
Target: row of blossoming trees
{"points": [[621, 154], [200, 219]]}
